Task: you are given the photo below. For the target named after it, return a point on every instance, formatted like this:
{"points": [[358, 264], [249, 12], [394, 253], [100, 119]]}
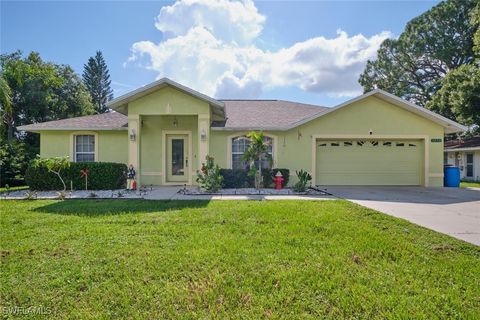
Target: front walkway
{"points": [[452, 211]]}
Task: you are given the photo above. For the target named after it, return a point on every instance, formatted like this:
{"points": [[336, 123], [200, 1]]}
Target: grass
{"points": [[151, 259], [3, 189], [469, 184]]}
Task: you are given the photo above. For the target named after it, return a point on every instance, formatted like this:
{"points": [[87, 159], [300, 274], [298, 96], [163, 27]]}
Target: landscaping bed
{"points": [[27, 194], [192, 191]]}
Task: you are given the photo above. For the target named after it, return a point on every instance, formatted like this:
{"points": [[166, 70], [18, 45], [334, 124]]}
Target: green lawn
{"points": [[3, 189], [469, 184], [284, 259]]}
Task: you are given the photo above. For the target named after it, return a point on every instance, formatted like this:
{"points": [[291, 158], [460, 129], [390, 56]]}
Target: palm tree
{"points": [[6, 105], [257, 152]]}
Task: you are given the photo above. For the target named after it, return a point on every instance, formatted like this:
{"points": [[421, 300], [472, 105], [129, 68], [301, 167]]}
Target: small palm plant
{"points": [[257, 152]]}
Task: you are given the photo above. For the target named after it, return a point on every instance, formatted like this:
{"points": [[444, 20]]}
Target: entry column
{"points": [[134, 127], [203, 137]]}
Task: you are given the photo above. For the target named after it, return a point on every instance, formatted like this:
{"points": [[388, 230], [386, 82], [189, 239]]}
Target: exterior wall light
{"points": [[175, 122], [203, 135], [133, 135]]}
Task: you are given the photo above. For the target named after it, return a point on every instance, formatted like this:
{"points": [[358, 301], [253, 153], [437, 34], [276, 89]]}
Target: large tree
{"points": [[32, 90], [433, 44], [459, 96], [41, 91], [97, 79]]}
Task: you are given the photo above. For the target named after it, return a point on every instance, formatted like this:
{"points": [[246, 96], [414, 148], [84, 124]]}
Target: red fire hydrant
{"points": [[278, 180]]}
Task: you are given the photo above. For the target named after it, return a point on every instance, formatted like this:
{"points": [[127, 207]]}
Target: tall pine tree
{"points": [[97, 81]]}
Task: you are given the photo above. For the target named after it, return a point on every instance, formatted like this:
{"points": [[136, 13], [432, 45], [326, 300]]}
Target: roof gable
{"points": [[449, 125], [120, 104]]}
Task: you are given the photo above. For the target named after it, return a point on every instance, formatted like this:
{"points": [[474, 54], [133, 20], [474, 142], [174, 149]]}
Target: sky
{"points": [[311, 52]]}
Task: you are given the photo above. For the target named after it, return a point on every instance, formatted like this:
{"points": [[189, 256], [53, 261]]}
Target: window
{"points": [[85, 148], [240, 145], [469, 165]]}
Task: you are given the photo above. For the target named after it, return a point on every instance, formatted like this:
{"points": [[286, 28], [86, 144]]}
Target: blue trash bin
{"points": [[451, 177]]}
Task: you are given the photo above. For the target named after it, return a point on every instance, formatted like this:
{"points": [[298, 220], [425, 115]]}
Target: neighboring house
{"points": [[165, 130], [465, 154]]}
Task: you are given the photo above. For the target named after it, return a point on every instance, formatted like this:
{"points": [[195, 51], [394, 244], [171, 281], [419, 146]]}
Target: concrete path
{"points": [[452, 211], [171, 193]]}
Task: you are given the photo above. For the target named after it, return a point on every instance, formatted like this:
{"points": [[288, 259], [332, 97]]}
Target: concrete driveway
{"points": [[452, 211]]}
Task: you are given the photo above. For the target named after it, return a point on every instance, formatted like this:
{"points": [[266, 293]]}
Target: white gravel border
{"points": [[193, 191], [77, 194]]}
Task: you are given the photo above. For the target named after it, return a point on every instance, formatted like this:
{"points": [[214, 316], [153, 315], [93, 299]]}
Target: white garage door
{"points": [[369, 162]]}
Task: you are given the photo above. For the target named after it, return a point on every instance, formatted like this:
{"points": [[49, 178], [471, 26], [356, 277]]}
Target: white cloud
{"points": [[329, 66], [229, 21], [210, 48]]}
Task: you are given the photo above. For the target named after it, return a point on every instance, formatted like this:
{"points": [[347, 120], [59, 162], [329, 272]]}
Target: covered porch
{"points": [[168, 131], [167, 149]]}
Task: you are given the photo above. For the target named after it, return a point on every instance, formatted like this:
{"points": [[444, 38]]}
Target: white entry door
{"points": [[177, 158]]}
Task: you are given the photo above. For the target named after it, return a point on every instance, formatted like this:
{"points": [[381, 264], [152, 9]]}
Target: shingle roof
{"points": [[264, 114], [241, 115], [104, 121], [473, 142]]}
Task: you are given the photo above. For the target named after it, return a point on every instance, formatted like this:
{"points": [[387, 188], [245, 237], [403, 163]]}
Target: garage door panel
{"points": [[392, 163], [369, 179]]}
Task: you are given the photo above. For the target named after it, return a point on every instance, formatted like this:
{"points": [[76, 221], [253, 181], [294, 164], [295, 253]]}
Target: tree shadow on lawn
{"points": [[116, 207]]}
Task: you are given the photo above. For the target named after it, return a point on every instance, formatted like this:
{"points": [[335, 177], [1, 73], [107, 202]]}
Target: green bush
{"points": [[209, 176], [269, 175], [13, 163], [303, 178], [102, 176], [236, 178], [56, 165]]}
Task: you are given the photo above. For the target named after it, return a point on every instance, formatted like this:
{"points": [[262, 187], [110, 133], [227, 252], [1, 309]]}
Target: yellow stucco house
{"points": [[166, 129]]}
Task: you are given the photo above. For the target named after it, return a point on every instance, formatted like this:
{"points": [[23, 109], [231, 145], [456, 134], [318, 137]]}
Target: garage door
{"points": [[369, 162]]}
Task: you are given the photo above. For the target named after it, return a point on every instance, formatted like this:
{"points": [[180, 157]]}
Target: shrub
{"points": [[303, 178], [236, 178], [102, 176], [209, 176], [269, 175], [55, 165], [13, 163]]}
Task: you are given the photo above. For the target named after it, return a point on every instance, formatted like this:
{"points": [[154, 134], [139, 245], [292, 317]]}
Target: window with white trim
{"points": [[240, 145], [84, 148]]}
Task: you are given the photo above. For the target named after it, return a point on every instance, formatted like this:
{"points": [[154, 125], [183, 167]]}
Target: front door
{"points": [[177, 158]]}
